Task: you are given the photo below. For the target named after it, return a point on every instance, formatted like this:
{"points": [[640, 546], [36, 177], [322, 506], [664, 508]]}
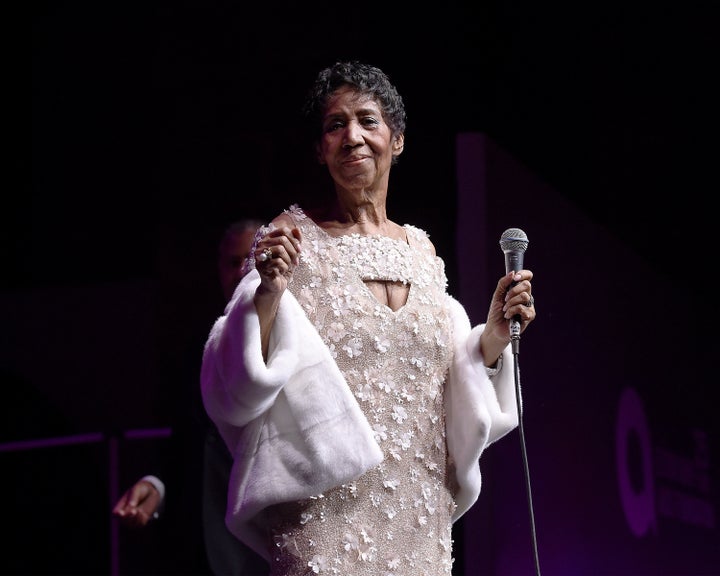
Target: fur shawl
{"points": [[294, 427]]}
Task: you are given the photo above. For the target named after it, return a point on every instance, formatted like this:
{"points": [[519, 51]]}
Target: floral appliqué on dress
{"points": [[395, 520]]}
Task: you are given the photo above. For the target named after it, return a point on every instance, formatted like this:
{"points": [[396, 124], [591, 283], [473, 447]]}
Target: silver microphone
{"points": [[513, 243]]}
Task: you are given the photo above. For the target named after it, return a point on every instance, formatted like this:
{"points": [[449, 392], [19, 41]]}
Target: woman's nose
{"points": [[353, 135]]}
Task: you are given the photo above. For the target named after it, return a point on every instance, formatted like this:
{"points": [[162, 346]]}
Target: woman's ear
{"points": [[398, 144]]}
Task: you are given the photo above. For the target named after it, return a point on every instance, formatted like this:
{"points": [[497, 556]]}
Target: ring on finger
{"points": [[530, 303], [265, 255]]}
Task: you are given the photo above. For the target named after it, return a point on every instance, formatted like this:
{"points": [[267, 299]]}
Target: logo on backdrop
{"points": [[655, 482]]}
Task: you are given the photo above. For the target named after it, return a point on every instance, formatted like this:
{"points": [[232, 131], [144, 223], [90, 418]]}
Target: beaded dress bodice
{"points": [[395, 520]]}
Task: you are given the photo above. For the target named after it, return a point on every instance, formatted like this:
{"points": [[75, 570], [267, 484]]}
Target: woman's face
{"points": [[356, 144]]}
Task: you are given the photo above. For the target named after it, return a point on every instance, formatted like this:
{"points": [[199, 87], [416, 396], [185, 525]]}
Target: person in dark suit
{"points": [[197, 468]]}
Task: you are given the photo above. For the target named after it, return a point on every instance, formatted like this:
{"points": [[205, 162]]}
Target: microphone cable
{"points": [[513, 243], [526, 467]]}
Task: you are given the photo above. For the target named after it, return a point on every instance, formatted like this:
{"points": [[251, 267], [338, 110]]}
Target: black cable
{"points": [[518, 398]]}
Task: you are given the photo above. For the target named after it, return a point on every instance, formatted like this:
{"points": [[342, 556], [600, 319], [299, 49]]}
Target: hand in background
{"points": [[138, 505]]}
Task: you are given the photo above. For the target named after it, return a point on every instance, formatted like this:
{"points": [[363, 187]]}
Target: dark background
{"points": [[147, 112], [154, 124]]}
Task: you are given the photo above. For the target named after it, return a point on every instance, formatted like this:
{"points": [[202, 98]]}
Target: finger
{"points": [[288, 247], [518, 306], [120, 506], [279, 251], [517, 288]]}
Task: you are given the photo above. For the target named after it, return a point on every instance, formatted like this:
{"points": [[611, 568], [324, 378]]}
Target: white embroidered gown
{"points": [[395, 520]]}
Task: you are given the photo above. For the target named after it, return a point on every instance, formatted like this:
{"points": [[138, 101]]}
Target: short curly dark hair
{"points": [[366, 79]]}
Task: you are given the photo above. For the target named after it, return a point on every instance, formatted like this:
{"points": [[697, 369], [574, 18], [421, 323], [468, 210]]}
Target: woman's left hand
{"points": [[512, 297]]}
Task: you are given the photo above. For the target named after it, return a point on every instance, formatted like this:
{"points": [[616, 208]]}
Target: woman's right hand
{"points": [[276, 255]]}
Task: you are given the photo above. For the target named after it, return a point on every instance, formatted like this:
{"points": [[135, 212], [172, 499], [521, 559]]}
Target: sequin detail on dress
{"points": [[395, 520]]}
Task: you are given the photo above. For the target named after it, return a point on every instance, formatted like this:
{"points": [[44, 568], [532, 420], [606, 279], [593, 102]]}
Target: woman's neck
{"points": [[365, 218]]}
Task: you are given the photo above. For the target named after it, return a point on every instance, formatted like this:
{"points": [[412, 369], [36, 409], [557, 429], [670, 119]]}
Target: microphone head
{"points": [[514, 239]]}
